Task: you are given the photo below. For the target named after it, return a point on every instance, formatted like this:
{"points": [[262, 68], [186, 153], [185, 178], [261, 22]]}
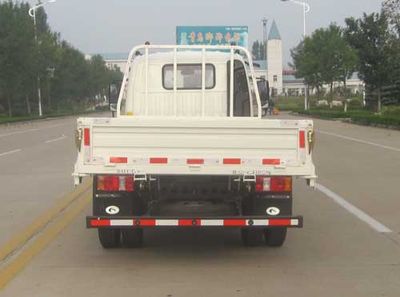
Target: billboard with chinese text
{"points": [[212, 35]]}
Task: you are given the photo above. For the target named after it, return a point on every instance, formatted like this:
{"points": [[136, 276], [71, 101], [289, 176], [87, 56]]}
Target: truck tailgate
{"points": [[202, 146]]}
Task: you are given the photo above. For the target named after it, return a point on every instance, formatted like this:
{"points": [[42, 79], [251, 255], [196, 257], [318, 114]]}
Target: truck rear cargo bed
{"points": [[194, 146]]}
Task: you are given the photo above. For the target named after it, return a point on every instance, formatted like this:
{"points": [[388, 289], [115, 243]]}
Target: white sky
{"points": [[101, 26]]}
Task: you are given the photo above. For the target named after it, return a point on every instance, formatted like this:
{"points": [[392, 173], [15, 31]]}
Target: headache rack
{"points": [[233, 51]]}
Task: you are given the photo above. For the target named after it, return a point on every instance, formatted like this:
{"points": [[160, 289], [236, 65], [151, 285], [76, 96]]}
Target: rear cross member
{"points": [[145, 222]]}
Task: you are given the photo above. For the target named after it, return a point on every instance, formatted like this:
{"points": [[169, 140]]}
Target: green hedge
{"points": [[377, 120], [289, 103], [334, 113], [6, 119], [356, 116]]}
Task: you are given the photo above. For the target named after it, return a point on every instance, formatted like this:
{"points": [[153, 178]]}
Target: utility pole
{"points": [[306, 9], [265, 35], [264, 22], [32, 13]]}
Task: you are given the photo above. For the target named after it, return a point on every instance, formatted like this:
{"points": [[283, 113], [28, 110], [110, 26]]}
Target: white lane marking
{"points": [[360, 141], [374, 224], [56, 139], [31, 130], [10, 152]]}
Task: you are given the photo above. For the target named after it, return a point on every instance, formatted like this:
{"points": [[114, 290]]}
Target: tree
{"points": [[259, 50], [263, 51], [306, 65], [327, 53], [324, 58], [255, 50], [391, 8], [16, 52], [67, 78], [98, 75], [347, 59], [370, 36]]}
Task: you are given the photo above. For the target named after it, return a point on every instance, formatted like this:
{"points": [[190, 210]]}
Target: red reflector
{"points": [[158, 160], [147, 222], [271, 161], [118, 160], [302, 139], [189, 222], [99, 223], [279, 222], [86, 136], [195, 161], [232, 161], [234, 223]]}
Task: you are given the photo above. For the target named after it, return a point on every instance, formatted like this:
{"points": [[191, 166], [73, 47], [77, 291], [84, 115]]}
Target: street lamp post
{"points": [[32, 13], [306, 9]]}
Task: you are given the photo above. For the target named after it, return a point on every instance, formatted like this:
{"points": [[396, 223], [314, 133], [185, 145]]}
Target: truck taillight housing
{"points": [[115, 183], [273, 184], [86, 137]]}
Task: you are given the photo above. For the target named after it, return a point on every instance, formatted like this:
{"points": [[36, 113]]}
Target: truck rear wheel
{"points": [[109, 238], [252, 237], [275, 237], [132, 238]]}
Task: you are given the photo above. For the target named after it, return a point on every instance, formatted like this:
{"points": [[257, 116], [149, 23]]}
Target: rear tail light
{"points": [[302, 139], [273, 184], [115, 183], [86, 137], [281, 184]]}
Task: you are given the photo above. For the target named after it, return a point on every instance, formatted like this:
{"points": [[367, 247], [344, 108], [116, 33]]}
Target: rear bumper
{"points": [[151, 222]]}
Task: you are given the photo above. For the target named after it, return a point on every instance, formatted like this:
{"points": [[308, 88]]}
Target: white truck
{"points": [[189, 148]]}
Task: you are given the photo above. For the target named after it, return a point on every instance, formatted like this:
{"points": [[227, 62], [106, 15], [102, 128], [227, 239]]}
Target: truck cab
{"points": [[189, 99]]}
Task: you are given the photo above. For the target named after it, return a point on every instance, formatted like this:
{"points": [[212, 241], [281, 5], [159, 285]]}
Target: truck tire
{"points": [[252, 237], [275, 237], [109, 238], [132, 238]]}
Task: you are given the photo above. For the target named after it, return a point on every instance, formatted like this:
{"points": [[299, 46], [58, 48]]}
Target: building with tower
{"points": [[275, 60]]}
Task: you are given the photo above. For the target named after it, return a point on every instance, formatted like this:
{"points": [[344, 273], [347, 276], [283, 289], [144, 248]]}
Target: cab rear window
{"points": [[188, 76]]}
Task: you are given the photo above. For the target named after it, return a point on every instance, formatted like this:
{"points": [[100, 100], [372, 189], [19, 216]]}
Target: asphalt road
{"points": [[36, 161], [349, 246]]}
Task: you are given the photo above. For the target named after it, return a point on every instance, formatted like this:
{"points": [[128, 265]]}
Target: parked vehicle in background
{"points": [[189, 149]]}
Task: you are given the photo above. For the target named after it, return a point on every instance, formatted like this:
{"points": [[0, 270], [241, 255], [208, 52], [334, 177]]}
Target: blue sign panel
{"points": [[212, 35]]}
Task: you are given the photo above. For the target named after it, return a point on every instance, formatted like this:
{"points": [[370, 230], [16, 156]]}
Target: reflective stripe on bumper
{"points": [[145, 222]]}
